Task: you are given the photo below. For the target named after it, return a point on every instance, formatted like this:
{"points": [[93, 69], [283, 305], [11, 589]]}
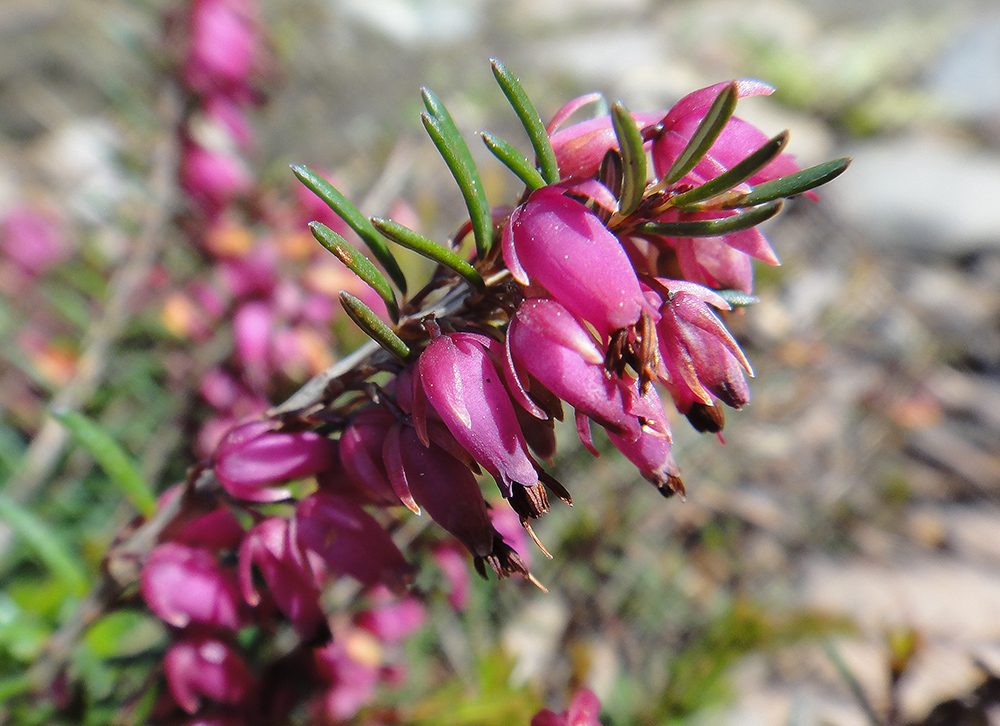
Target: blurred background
{"points": [[839, 555]]}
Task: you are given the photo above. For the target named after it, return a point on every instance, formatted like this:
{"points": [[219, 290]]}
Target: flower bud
{"points": [[252, 456], [203, 666], [185, 585], [349, 541], [558, 243]]}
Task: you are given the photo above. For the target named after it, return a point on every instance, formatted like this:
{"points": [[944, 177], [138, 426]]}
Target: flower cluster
{"points": [[603, 286]]}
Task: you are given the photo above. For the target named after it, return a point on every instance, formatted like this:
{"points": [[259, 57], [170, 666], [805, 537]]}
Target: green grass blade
{"points": [[633, 159], [110, 456], [530, 119], [358, 264], [377, 330], [46, 542], [705, 135], [713, 227], [797, 183], [514, 160], [430, 249], [354, 218], [452, 147], [737, 175]]}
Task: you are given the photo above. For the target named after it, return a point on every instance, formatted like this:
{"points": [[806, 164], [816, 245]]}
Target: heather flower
{"points": [[32, 240], [224, 47], [268, 547], [583, 711], [557, 350], [460, 381], [351, 664], [252, 456], [361, 446], [701, 360], [392, 619], [581, 147], [650, 452], [737, 139], [348, 541], [214, 530], [185, 585], [557, 243], [205, 667], [213, 178]]}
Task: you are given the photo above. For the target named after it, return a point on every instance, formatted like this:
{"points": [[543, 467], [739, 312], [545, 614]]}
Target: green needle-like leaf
{"points": [[737, 175], [46, 542], [513, 160], [530, 119], [633, 159], [354, 218], [449, 142], [430, 249], [110, 457], [713, 227], [705, 135], [797, 183], [737, 298], [377, 330], [358, 264]]}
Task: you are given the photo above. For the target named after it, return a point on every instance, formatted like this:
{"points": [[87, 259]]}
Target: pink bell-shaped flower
{"points": [[224, 47], [547, 341], [580, 147], [583, 711], [701, 358], [349, 541], [361, 446], [252, 457], [458, 378], [206, 667], [442, 485], [269, 547], [650, 452], [185, 585], [559, 244]]}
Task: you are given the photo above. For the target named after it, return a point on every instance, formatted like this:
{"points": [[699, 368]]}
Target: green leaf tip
{"points": [[354, 219], [406, 237], [797, 183], [737, 298], [373, 326], [358, 264], [514, 160], [713, 227], [736, 175], [449, 142], [111, 457], [704, 136], [530, 120], [633, 158]]}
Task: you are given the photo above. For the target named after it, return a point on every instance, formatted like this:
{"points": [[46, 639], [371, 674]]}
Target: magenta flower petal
{"points": [[268, 547], [185, 585], [349, 541], [558, 243], [198, 667], [252, 456], [461, 383], [555, 348]]}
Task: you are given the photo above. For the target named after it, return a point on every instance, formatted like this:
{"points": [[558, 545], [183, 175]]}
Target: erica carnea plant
{"points": [[600, 293]]}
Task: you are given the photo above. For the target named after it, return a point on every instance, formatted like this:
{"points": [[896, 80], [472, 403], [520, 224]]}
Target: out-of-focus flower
{"points": [[349, 541], [205, 667], [213, 178], [253, 456], [583, 711], [268, 547], [185, 585], [392, 619], [32, 240], [351, 664], [224, 47]]}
